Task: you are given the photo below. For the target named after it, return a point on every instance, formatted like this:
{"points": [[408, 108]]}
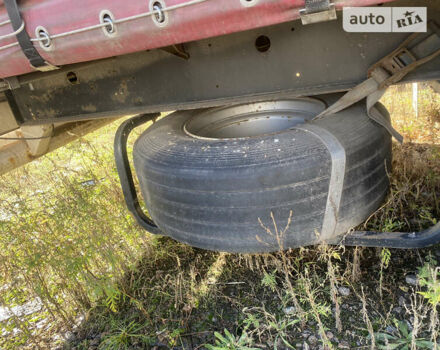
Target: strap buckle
{"points": [[402, 60]]}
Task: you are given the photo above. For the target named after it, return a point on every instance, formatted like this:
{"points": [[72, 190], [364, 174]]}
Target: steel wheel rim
{"points": [[252, 119]]}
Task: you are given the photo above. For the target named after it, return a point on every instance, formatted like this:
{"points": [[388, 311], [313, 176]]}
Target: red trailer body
{"points": [[187, 21]]}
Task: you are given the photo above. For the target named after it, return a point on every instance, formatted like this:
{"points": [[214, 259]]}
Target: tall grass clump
{"points": [[414, 202], [65, 236]]}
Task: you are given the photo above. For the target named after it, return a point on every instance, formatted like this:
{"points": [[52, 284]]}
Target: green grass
{"points": [[67, 238]]}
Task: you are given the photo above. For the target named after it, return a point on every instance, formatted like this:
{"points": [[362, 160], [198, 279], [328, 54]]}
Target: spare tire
{"points": [[253, 178]]}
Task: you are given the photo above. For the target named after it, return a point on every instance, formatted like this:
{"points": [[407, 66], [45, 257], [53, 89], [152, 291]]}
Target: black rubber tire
{"points": [[217, 194]]}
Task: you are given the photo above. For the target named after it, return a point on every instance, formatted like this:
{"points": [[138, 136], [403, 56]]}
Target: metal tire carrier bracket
{"points": [[124, 170], [401, 240]]}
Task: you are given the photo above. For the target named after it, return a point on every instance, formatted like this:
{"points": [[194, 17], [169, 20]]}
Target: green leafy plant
{"points": [[269, 280], [401, 339], [123, 336], [280, 327], [385, 257], [429, 278], [392, 225], [230, 342]]}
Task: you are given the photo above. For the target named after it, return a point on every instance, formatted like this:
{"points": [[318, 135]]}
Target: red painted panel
{"points": [[194, 22]]}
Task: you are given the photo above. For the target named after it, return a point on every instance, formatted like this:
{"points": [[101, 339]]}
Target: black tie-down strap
{"points": [[23, 38]]}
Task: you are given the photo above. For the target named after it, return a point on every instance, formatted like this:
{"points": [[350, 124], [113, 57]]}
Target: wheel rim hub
{"points": [[253, 119]]}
